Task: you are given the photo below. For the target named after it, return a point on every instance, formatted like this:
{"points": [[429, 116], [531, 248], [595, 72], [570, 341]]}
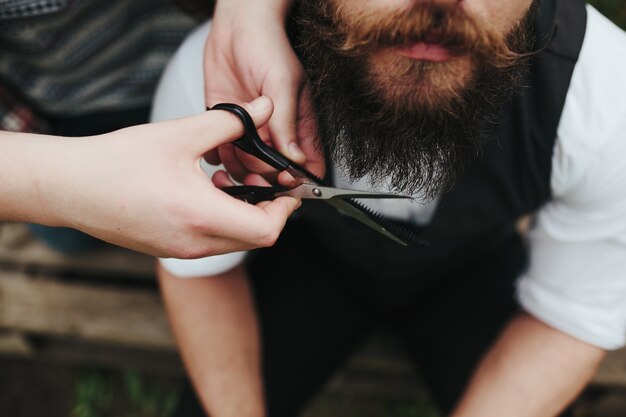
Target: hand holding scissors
{"points": [[308, 186]]}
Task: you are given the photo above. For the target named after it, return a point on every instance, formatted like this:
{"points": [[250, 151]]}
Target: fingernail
{"points": [[259, 104], [295, 151]]}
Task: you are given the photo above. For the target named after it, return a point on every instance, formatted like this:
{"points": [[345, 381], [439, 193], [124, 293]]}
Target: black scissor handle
{"points": [[251, 194], [250, 142]]}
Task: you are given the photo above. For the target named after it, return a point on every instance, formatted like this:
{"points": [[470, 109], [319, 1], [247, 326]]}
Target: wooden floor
{"points": [[103, 309]]}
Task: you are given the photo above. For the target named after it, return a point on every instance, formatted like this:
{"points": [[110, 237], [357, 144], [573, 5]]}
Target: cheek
{"points": [[501, 19]]}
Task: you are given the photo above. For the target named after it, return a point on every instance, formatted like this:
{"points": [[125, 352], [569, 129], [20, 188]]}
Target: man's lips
{"points": [[424, 51]]}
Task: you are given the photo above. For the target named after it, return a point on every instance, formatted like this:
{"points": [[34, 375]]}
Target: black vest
{"points": [[509, 180]]}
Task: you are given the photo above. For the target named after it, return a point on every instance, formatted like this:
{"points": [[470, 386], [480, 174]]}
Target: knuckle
{"points": [[198, 224], [269, 237]]}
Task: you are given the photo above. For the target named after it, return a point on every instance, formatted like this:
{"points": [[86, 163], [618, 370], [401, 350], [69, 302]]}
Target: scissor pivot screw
{"points": [[317, 192]]}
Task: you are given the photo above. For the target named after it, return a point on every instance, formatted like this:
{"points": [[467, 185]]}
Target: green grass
{"points": [[128, 394]]}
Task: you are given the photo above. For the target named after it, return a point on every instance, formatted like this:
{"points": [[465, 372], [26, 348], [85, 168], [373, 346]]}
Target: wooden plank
{"points": [[613, 370], [14, 344], [78, 311], [72, 353], [18, 248]]}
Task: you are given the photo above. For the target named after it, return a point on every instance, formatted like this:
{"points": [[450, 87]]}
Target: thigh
{"points": [[310, 323], [452, 325]]}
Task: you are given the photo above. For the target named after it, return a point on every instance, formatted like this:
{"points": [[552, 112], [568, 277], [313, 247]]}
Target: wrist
{"points": [[229, 9]]}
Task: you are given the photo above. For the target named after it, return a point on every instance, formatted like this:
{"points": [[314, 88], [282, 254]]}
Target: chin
{"points": [[419, 85]]}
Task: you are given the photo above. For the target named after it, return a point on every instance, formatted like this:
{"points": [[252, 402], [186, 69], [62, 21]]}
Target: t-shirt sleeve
{"points": [[578, 286], [576, 281], [180, 93]]}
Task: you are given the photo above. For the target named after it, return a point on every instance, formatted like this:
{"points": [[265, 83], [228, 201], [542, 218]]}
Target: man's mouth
{"points": [[433, 46], [426, 51]]}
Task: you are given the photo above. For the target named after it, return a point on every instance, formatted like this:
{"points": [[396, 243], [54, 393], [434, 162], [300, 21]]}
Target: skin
{"points": [[250, 63], [532, 370], [125, 187], [217, 315]]}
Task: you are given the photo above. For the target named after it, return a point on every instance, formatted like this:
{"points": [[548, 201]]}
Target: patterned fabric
{"points": [[13, 9], [69, 58], [201, 9]]}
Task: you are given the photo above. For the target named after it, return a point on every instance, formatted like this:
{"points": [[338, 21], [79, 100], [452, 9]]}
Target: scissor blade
{"points": [[351, 209], [345, 193], [318, 192], [303, 175]]}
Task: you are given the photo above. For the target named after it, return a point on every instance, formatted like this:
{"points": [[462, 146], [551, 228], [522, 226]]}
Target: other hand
{"points": [[248, 54]]}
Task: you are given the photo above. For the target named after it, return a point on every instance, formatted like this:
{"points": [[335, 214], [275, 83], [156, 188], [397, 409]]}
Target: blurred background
{"points": [[615, 9], [117, 357]]}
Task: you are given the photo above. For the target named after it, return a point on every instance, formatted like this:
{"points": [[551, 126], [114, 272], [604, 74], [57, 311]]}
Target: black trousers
{"points": [[315, 311]]}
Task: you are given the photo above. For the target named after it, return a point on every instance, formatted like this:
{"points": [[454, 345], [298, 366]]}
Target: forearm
{"points": [[214, 322], [532, 370], [32, 170]]}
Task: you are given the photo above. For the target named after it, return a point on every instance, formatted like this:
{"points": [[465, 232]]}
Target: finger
{"points": [[221, 179], [283, 126], [234, 219], [255, 165], [256, 180], [231, 162], [265, 134], [279, 210], [216, 127], [308, 135], [287, 180], [212, 157]]}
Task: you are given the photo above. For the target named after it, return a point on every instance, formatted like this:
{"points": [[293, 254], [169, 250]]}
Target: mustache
{"points": [[443, 24]]}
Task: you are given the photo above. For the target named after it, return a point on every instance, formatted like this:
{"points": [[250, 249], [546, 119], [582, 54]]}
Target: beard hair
{"points": [[411, 125]]}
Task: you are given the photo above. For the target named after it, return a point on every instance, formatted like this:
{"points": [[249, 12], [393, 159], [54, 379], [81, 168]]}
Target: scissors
{"points": [[309, 185]]}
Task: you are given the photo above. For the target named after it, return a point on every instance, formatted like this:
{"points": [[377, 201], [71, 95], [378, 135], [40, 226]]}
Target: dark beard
{"points": [[412, 143]]}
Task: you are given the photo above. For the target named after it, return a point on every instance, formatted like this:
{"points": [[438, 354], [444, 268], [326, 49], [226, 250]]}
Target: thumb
{"points": [[279, 210], [217, 127]]}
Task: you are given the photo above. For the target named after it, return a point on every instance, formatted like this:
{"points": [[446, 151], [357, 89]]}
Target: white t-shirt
{"points": [[576, 280]]}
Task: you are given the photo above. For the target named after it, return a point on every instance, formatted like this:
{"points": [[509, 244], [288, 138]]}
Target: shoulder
{"points": [[180, 91], [590, 138]]}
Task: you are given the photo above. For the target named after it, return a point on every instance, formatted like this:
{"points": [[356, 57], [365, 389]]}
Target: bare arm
{"points": [[533, 370], [215, 326], [140, 187]]}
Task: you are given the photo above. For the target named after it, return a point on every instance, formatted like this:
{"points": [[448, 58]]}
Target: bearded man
{"points": [[487, 112]]}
